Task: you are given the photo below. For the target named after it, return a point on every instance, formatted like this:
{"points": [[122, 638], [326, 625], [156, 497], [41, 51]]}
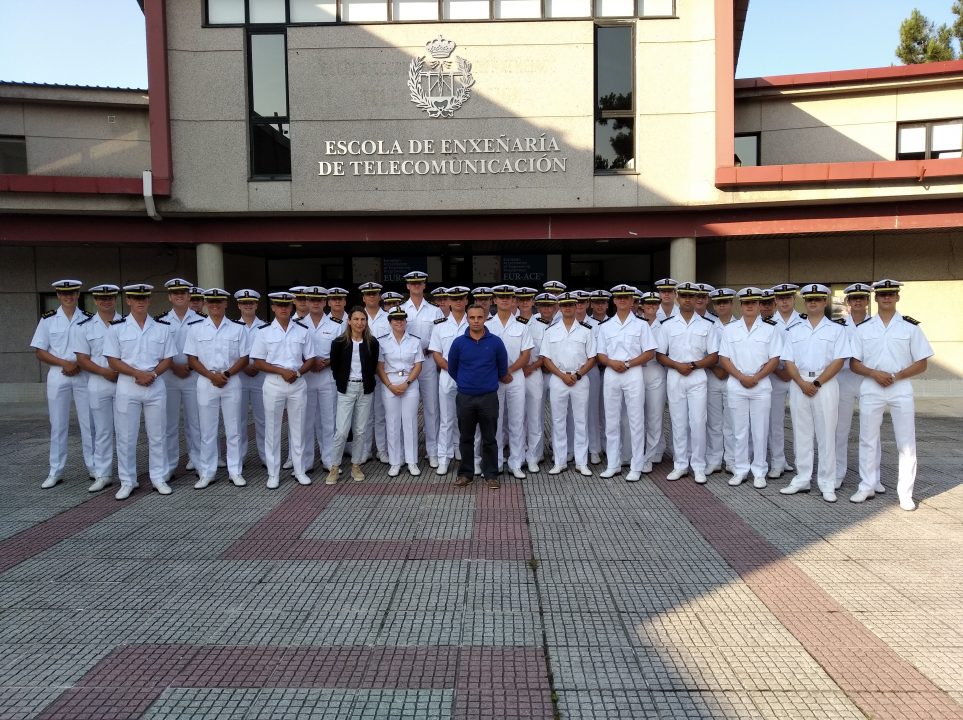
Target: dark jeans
{"points": [[480, 411]]}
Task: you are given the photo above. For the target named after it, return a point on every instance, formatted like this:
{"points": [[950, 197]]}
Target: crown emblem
{"points": [[439, 48]]}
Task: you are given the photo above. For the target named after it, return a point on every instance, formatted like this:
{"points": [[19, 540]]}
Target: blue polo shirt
{"points": [[476, 365]]}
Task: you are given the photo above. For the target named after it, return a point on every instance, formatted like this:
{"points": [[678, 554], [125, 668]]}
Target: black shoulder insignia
{"points": [[298, 322], [261, 327], [158, 317], [194, 322], [707, 319], [118, 321], [803, 316], [769, 321], [523, 321], [49, 314], [415, 337], [87, 314], [840, 321], [864, 320], [911, 321], [666, 320], [585, 325], [602, 322], [162, 322], [239, 322], [334, 319], [440, 320], [84, 321], [203, 315], [542, 320], [382, 337]]}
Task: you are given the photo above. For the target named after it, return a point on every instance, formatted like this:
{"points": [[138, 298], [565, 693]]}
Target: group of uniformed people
{"points": [[603, 379]]}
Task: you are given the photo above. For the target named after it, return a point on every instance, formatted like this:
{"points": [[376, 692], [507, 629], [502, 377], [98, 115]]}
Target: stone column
{"points": [[210, 266], [682, 259]]}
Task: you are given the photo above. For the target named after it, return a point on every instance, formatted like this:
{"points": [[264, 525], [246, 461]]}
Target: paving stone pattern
{"points": [[557, 596]]}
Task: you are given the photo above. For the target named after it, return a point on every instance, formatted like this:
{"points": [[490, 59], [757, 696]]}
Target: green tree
{"points": [[921, 41]]}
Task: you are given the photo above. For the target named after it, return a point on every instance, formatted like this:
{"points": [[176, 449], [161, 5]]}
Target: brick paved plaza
{"points": [[404, 597]]}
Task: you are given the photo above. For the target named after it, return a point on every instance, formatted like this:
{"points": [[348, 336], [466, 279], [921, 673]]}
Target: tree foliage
{"points": [[921, 40]]}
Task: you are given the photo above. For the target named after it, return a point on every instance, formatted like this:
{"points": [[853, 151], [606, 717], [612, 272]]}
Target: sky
{"points": [[101, 42]]}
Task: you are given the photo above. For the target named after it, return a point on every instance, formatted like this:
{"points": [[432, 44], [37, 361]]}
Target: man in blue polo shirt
{"points": [[478, 361]]}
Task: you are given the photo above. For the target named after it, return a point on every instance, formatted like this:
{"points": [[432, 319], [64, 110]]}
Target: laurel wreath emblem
{"points": [[440, 107]]}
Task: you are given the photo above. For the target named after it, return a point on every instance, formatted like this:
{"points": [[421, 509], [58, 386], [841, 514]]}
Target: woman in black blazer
{"points": [[354, 359]]}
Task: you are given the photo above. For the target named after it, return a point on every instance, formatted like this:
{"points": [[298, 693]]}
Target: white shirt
{"points": [[568, 348], [892, 347], [400, 357], [88, 336], [811, 349], [355, 372], [514, 334], [619, 340], [142, 349], [421, 321], [53, 333], [537, 331], [178, 329], [751, 348], [218, 347], [378, 325], [285, 348], [688, 342], [444, 333], [660, 313]]}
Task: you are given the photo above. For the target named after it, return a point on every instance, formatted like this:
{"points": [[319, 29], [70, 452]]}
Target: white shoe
{"points": [[383, 457], [557, 469], [676, 474], [190, 465], [432, 461], [203, 483], [701, 478], [302, 479], [880, 490], [99, 484], [862, 496], [584, 470], [595, 458], [394, 471], [238, 481], [712, 469], [288, 465], [794, 487], [273, 483], [222, 463], [633, 476], [163, 488], [442, 468], [517, 473], [829, 496], [413, 469], [478, 469], [759, 483], [457, 454], [51, 481], [532, 466], [646, 468], [907, 504], [124, 492], [774, 474], [737, 479], [610, 472]]}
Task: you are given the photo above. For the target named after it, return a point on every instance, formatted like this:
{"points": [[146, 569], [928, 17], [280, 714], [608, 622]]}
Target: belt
{"points": [[352, 380], [399, 373]]}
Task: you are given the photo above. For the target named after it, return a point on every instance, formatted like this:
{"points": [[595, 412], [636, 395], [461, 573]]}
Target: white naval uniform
{"points": [[421, 321], [181, 391], [749, 408], [443, 334], [624, 341], [890, 348], [511, 397], [143, 349], [777, 408], [719, 439], [849, 383], [375, 430], [87, 338], [288, 349], [569, 348], [535, 395], [400, 358], [53, 335], [660, 314], [218, 348], [595, 422], [252, 400], [321, 407], [688, 396], [654, 380], [811, 350]]}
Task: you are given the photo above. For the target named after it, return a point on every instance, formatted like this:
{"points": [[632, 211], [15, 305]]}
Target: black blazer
{"points": [[341, 350]]}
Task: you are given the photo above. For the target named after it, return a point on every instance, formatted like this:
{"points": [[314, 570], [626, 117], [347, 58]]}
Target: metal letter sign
{"points": [[439, 86]]}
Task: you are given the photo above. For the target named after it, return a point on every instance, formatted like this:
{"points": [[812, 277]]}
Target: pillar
{"points": [[210, 266], [682, 259]]}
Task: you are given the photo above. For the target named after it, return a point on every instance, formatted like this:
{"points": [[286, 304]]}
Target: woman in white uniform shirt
{"points": [[398, 368]]}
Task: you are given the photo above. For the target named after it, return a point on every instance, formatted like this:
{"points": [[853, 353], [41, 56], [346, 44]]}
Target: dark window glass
{"points": [[747, 149], [13, 155], [270, 149], [614, 101], [615, 144]]}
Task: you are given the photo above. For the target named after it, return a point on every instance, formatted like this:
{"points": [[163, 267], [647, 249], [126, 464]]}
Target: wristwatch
{"points": [[693, 366], [578, 375], [816, 383], [227, 374], [297, 373]]}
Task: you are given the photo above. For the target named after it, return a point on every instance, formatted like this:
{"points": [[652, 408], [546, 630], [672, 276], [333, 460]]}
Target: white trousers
{"points": [[511, 421], [594, 419], [374, 430], [534, 416], [749, 411], [182, 391], [129, 400], [213, 404], [100, 397], [354, 415], [252, 404], [653, 375], [447, 417], [428, 382], [320, 410], [563, 397], [401, 424], [777, 424], [849, 383], [278, 397], [61, 391], [815, 416], [719, 425], [874, 400], [626, 388], [688, 410]]}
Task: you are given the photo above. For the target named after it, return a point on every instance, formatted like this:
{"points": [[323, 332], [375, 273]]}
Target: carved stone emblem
{"points": [[438, 84]]}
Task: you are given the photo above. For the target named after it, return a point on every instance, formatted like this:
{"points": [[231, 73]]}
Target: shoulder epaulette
{"points": [[584, 324], [298, 322], [770, 321], [523, 321], [334, 319], [88, 314], [707, 319], [118, 322], [158, 317], [203, 315], [543, 320], [803, 316], [602, 322], [261, 327], [48, 314], [440, 320], [84, 321], [163, 322], [415, 337], [239, 322], [194, 322], [382, 337], [864, 320], [662, 322], [840, 321], [911, 321]]}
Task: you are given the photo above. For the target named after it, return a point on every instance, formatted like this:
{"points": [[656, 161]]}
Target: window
{"points": [[747, 149], [614, 98], [13, 155], [270, 144], [929, 140]]}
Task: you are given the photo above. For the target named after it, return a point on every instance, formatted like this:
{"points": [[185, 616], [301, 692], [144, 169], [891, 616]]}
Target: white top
{"points": [[536, 330], [751, 348], [355, 372], [88, 336], [688, 341], [178, 329], [514, 334], [285, 348], [811, 349], [400, 357], [443, 334], [624, 341], [892, 347], [421, 320], [53, 333], [568, 348], [142, 349], [378, 325], [217, 347], [660, 313]]}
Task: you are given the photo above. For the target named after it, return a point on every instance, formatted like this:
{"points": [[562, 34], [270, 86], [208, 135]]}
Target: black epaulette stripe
{"points": [[523, 321], [864, 320], [48, 314], [162, 322], [158, 317], [88, 314], [239, 322], [118, 322], [414, 336], [840, 321], [440, 320], [194, 322], [803, 316], [84, 322], [203, 315], [382, 337], [543, 320], [298, 322], [707, 319], [261, 327], [769, 321], [337, 320], [585, 324], [605, 321], [911, 321], [662, 322]]}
